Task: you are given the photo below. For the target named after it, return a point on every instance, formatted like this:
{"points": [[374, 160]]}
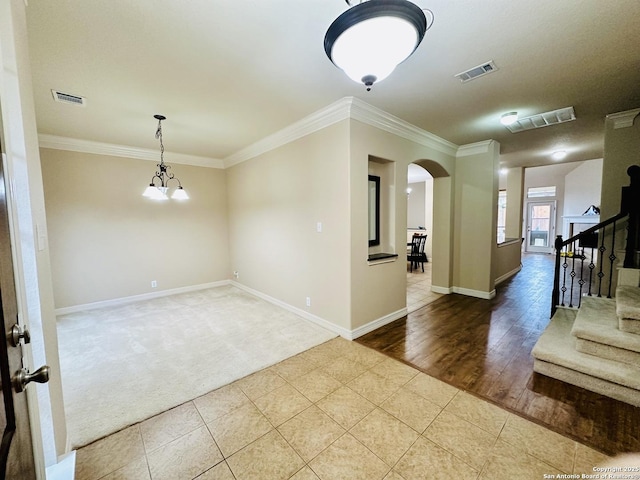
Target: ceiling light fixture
{"points": [[370, 39], [559, 155], [159, 192], [509, 118]]}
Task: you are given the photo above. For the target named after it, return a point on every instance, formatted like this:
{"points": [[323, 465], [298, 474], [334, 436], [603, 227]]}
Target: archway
{"points": [[429, 212]]}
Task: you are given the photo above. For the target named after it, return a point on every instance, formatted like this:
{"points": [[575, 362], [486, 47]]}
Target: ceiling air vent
{"points": [[68, 98], [540, 120], [476, 72]]}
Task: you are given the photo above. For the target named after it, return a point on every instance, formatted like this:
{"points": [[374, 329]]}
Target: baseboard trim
{"points": [[443, 290], [475, 293], [380, 322], [507, 275], [343, 332], [137, 298]]}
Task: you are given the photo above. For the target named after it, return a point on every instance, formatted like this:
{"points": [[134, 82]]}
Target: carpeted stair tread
{"points": [[557, 346], [597, 333], [628, 308]]}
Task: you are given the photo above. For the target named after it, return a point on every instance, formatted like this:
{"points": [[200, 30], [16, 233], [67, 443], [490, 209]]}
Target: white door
{"points": [[540, 227]]}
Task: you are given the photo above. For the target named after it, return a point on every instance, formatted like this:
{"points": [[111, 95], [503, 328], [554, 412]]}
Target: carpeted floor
{"points": [[124, 364]]}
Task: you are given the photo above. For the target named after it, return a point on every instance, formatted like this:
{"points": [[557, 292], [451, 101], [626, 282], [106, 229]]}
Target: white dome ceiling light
{"points": [[370, 39]]}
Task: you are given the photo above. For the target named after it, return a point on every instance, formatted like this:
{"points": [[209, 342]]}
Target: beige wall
{"points": [[621, 150], [108, 241], [380, 290], [275, 203], [515, 195], [475, 218]]}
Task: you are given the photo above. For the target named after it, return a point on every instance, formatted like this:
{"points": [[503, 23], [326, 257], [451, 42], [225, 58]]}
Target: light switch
{"points": [[319, 227]]}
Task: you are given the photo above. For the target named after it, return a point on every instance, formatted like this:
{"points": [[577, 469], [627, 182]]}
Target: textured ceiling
{"points": [[226, 74]]}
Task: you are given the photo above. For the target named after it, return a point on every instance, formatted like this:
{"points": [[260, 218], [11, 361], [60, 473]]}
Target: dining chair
{"points": [[417, 255]]}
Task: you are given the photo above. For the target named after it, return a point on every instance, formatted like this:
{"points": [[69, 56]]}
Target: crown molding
{"points": [[98, 148], [347, 107], [343, 109], [378, 118], [318, 120], [623, 119], [474, 148]]}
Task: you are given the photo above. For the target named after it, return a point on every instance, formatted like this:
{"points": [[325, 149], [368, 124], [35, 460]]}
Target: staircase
{"points": [[597, 347]]}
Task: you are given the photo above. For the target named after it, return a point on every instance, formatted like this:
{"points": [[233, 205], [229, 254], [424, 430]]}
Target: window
{"points": [[537, 192], [502, 214]]}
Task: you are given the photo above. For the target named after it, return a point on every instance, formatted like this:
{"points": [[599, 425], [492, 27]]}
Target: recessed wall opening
{"points": [[383, 173]]}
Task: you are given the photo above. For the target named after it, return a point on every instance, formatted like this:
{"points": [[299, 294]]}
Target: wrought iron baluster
{"points": [[601, 250], [591, 267], [572, 273], [612, 258]]}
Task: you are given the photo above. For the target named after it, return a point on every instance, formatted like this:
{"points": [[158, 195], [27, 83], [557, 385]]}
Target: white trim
{"points": [[475, 293], [623, 119], [380, 322], [318, 120], [332, 327], [473, 148], [347, 107], [136, 298], [443, 290], [64, 469], [98, 148], [507, 275], [378, 118]]}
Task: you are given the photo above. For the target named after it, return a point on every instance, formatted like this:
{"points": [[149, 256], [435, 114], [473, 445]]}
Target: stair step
{"points": [[596, 331], [555, 356], [628, 308]]}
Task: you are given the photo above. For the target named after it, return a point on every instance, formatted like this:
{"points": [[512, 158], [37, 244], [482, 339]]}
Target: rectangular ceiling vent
{"points": [[540, 120], [476, 72], [68, 98]]}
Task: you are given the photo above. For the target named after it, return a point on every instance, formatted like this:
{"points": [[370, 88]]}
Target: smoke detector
{"points": [[62, 97], [540, 120], [475, 72]]}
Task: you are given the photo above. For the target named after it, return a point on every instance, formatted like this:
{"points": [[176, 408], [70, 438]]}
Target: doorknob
{"points": [[22, 377], [17, 333]]}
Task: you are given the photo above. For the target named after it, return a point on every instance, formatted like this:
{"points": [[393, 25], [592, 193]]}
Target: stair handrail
{"points": [[629, 207]]}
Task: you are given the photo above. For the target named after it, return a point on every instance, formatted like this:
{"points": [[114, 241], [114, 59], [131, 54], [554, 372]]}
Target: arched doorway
{"points": [[428, 188]]}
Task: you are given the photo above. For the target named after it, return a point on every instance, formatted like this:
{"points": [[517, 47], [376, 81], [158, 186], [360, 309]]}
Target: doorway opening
{"points": [[540, 226], [420, 222]]}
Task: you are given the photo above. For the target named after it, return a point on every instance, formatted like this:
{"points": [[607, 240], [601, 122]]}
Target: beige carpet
{"points": [[555, 356], [124, 364]]}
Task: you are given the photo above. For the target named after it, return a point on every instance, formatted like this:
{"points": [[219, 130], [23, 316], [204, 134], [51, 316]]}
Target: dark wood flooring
{"points": [[484, 347]]}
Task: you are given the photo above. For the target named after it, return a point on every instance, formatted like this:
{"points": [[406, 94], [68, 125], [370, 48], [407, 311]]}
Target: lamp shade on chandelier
{"points": [[370, 39], [159, 186]]}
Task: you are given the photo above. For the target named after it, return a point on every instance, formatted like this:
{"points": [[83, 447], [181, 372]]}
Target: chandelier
{"points": [[371, 38], [159, 191]]}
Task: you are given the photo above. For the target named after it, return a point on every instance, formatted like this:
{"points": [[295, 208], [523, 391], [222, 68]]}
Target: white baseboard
{"points": [[343, 332], [475, 293], [444, 290], [332, 327], [137, 298], [507, 275], [380, 322]]}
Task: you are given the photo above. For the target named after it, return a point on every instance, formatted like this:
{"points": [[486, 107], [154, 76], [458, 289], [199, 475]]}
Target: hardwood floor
{"points": [[484, 347]]}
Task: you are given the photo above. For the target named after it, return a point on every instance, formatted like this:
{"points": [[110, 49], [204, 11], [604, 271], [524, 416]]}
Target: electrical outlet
{"points": [[308, 301], [236, 275], [154, 284]]}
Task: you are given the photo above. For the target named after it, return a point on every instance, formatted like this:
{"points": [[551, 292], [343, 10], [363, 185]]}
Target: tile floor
{"points": [[419, 291], [336, 411]]}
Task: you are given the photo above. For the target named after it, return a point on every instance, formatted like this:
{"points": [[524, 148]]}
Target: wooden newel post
{"points": [[631, 205], [555, 294]]}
